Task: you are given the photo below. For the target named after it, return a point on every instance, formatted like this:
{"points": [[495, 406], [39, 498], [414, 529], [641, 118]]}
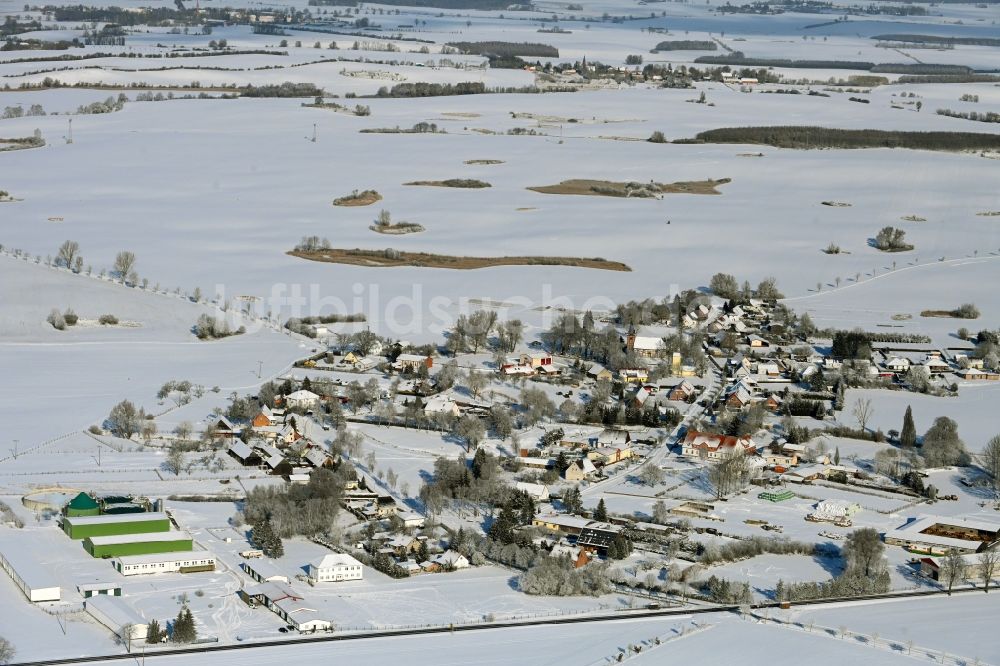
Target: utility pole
{"points": [[260, 368], [69, 138], [14, 451]]}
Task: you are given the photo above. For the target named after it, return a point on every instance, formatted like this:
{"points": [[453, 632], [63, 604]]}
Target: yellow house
{"points": [[633, 375], [351, 357]]}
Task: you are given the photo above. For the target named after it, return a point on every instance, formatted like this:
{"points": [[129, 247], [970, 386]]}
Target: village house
{"points": [[335, 567], [535, 491], [412, 362], [451, 560], [610, 455], [681, 392], [267, 417], [738, 397], [580, 470], [598, 372], [535, 359], [243, 454], [712, 446], [441, 404], [633, 375], [644, 346], [301, 399]]}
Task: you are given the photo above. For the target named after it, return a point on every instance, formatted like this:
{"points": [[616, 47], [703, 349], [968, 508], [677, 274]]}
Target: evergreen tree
{"points": [[153, 632], [277, 548], [908, 435], [572, 500], [261, 533], [502, 529], [836, 456], [601, 512], [422, 554], [264, 537], [184, 630]]}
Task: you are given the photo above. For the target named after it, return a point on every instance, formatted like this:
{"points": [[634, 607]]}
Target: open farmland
{"points": [[297, 277]]}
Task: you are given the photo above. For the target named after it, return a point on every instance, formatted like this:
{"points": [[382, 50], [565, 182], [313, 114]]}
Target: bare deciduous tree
{"points": [[988, 560], [7, 651], [68, 252], [862, 412], [124, 264]]}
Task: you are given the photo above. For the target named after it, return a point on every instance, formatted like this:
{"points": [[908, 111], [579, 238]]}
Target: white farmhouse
{"points": [[335, 567], [301, 400]]}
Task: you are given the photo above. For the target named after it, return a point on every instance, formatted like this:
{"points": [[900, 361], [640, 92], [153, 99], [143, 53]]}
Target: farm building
{"points": [[88, 590], [81, 527], [264, 571], [972, 567], [119, 616], [937, 535], [29, 576], [83, 505], [132, 565], [137, 544], [335, 567], [305, 620]]}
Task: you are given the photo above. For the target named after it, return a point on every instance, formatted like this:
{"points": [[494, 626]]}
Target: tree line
{"points": [[824, 137]]}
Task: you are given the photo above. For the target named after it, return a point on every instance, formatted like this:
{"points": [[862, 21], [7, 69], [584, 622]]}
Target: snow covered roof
{"points": [[647, 343], [916, 531], [157, 558], [240, 450], [411, 358], [317, 457], [333, 560], [115, 518], [116, 610], [302, 396], [34, 574], [138, 538]]}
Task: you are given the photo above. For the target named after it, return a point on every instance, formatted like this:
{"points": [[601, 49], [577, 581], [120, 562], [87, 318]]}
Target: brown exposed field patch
{"points": [[483, 162], [398, 229], [366, 198], [650, 190], [393, 258], [464, 183]]}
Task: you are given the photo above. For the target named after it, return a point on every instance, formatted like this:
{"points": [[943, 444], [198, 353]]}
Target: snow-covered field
{"points": [[210, 194]]}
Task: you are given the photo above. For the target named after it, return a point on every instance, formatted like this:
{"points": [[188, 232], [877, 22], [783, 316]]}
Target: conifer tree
{"points": [[908, 435], [153, 632], [601, 512]]}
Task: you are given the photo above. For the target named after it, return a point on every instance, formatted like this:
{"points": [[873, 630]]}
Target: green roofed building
{"points": [[83, 505], [81, 527], [776, 496], [138, 544]]}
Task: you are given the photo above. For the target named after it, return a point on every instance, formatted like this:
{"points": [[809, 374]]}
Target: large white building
{"points": [[30, 577], [191, 562], [335, 567], [939, 534], [301, 400]]}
